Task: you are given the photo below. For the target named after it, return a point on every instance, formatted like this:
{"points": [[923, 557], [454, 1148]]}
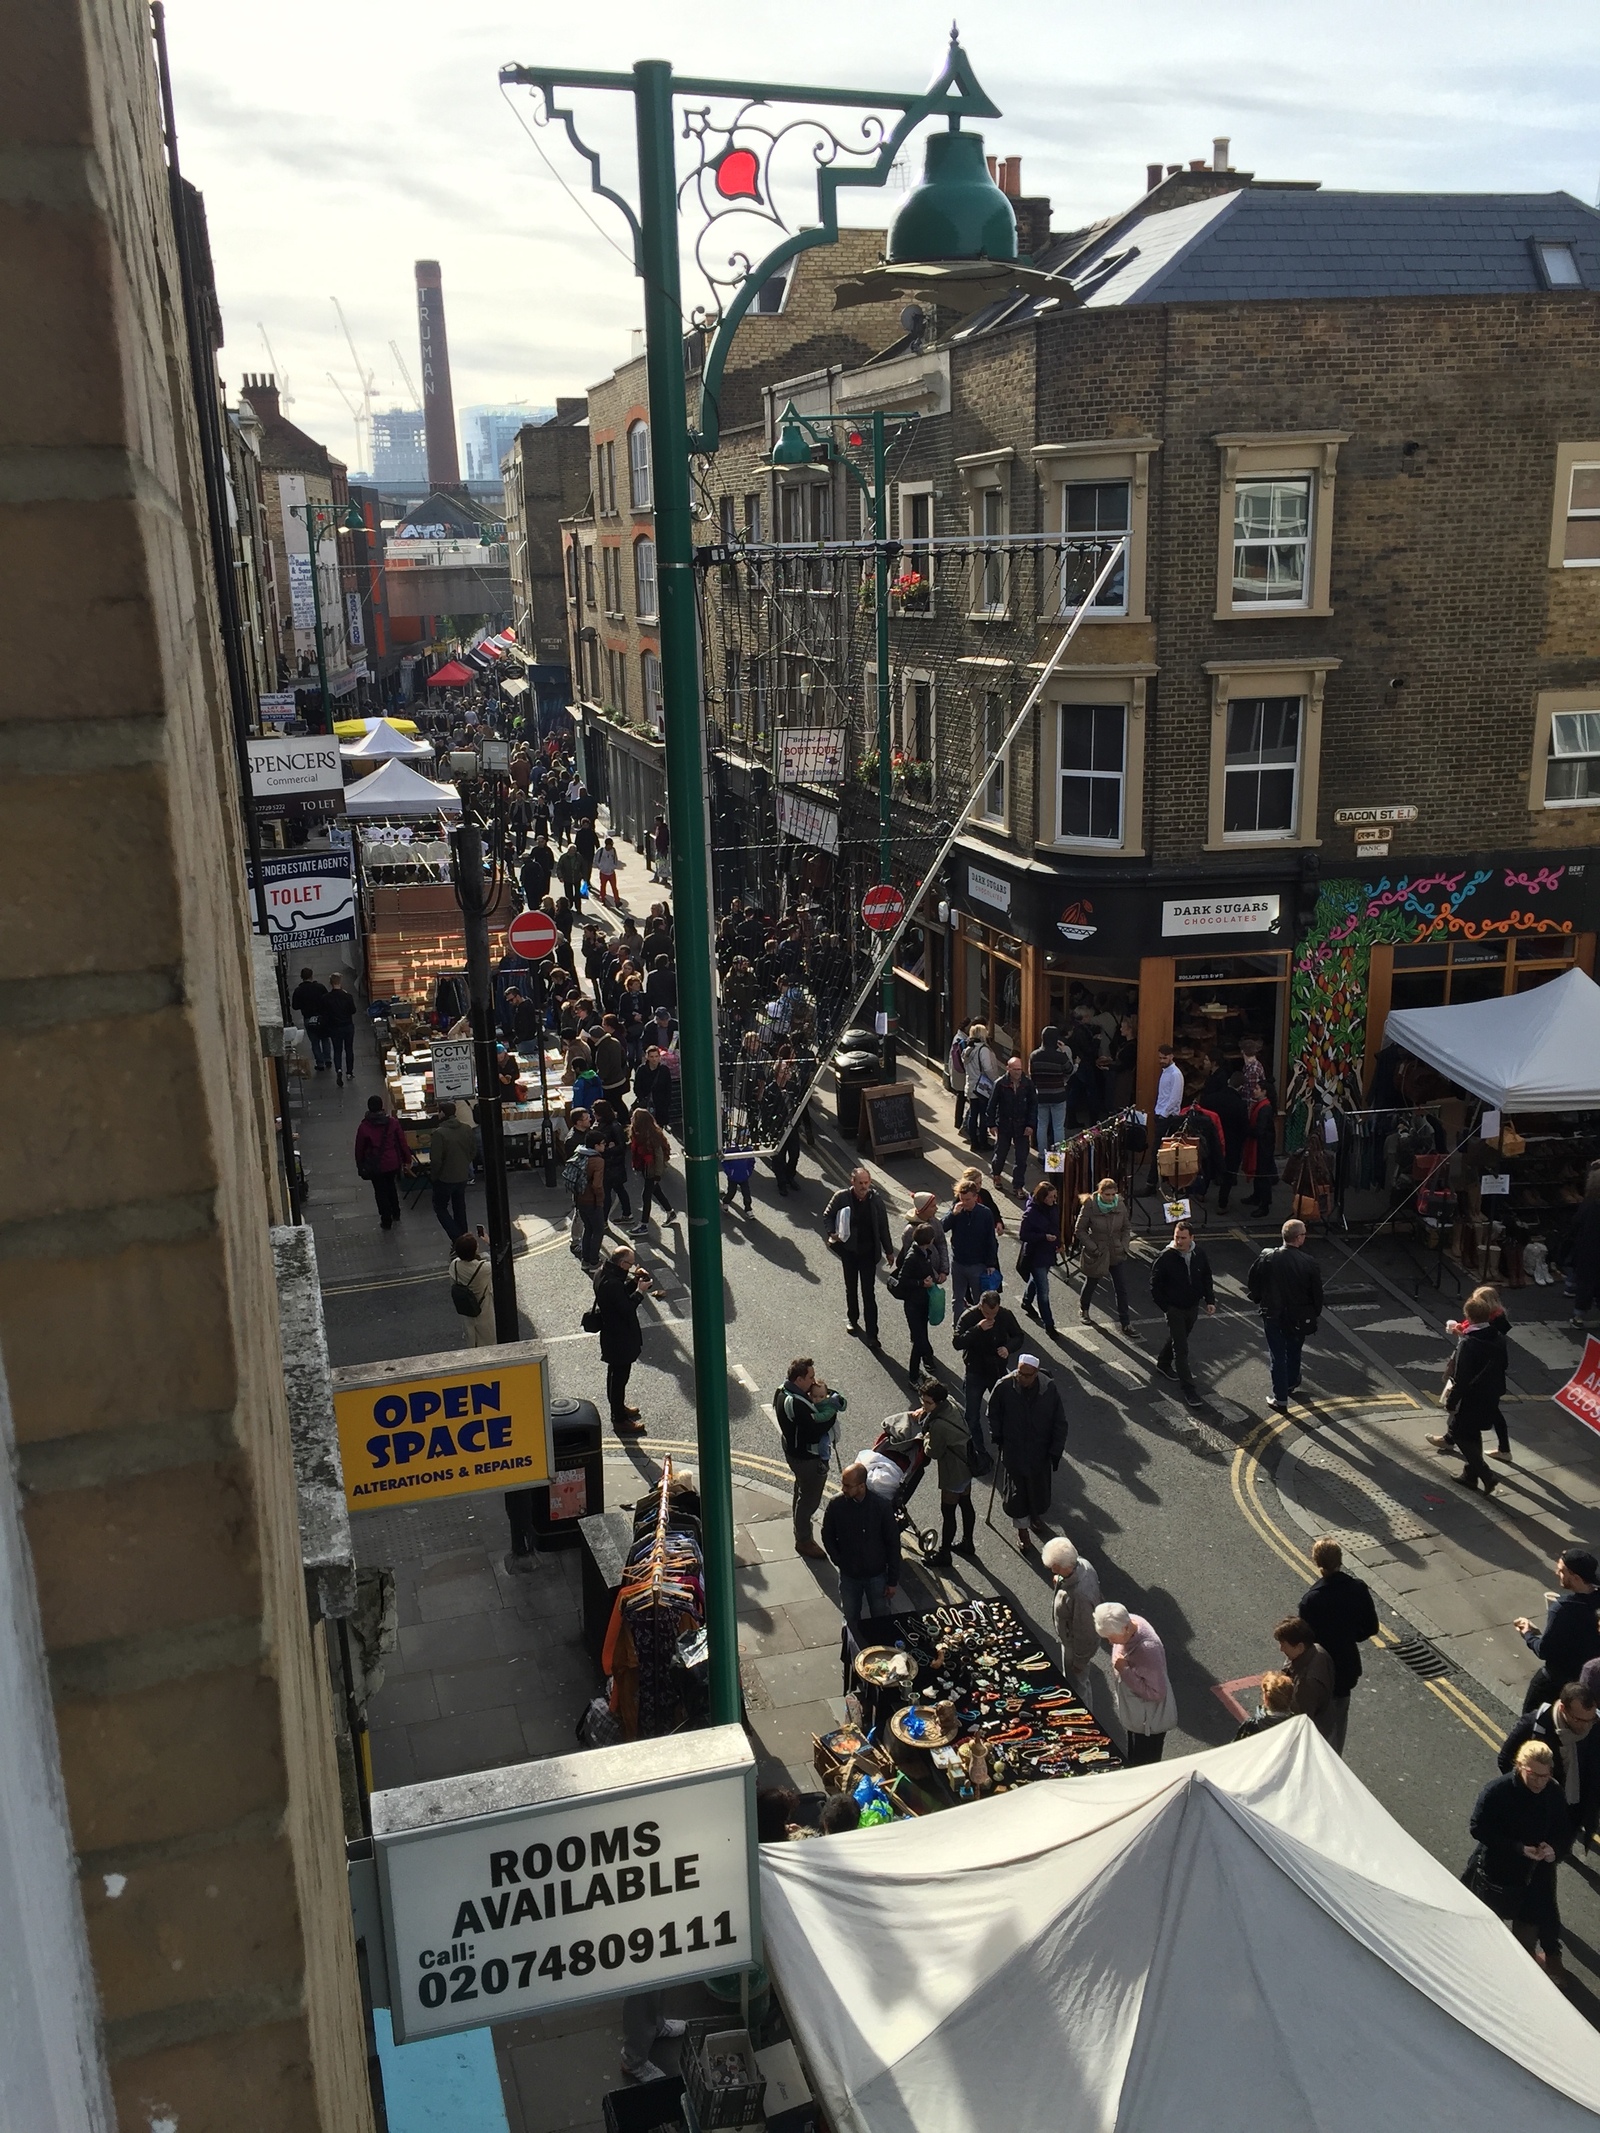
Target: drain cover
{"points": [[1418, 1654]]}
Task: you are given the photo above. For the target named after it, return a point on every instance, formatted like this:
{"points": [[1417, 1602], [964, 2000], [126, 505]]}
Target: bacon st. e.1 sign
{"points": [[519, 1891], [444, 1425], [1580, 1395]]}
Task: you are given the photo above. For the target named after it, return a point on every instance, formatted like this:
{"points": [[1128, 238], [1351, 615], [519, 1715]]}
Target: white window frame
{"points": [[912, 678], [650, 687], [1549, 705], [994, 706], [908, 493], [1571, 459], [1274, 541], [1273, 834], [987, 477], [1104, 610], [640, 487], [1065, 711], [1256, 678], [647, 609], [1122, 682], [1099, 461], [1257, 455]]}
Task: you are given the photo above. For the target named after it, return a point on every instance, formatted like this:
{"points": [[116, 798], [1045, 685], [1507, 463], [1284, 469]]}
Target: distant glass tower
{"points": [[488, 433]]}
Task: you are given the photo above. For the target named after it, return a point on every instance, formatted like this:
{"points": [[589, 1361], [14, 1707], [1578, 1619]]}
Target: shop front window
{"points": [[992, 983], [1446, 973], [1227, 1006]]}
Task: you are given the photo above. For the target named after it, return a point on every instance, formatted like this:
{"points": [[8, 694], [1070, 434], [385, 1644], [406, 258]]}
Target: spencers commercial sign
{"points": [[302, 775], [515, 1891], [444, 1425]]}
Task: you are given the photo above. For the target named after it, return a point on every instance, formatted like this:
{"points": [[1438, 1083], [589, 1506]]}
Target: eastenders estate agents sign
{"points": [[516, 1891], [1220, 914]]}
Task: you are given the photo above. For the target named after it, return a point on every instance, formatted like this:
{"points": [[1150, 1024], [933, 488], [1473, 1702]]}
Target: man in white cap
{"points": [[1077, 1595], [1028, 1424]]}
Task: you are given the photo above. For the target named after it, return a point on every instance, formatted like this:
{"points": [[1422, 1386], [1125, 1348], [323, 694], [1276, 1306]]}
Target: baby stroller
{"points": [[895, 1467]]}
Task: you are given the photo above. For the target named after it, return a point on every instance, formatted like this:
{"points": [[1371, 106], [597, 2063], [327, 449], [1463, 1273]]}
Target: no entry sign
{"points": [[532, 934], [883, 907]]}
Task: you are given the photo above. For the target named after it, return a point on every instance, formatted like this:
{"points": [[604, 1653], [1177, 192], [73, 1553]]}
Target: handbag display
{"points": [[1178, 1160], [1510, 1141]]}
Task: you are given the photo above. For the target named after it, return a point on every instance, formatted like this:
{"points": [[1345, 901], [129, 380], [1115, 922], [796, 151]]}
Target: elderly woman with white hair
{"points": [[1077, 1595], [1139, 1681]]}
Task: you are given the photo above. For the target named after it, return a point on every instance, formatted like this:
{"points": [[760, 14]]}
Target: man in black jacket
{"points": [[861, 1540], [1287, 1284], [310, 1001], [1028, 1422], [990, 1339], [856, 1226], [620, 1287], [1571, 1633], [1341, 1616], [1181, 1288], [652, 1086]]}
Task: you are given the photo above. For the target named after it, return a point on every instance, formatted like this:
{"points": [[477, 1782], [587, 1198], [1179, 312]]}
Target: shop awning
{"points": [[452, 675], [397, 791], [382, 743], [513, 688], [1137, 1949], [351, 729], [1534, 1051]]}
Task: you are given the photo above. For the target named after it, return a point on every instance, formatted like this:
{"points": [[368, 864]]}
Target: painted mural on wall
{"points": [[1477, 901]]}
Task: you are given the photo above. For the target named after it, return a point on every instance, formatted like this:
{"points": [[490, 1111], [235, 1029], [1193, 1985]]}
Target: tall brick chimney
{"points": [[438, 402], [1032, 212], [262, 394]]}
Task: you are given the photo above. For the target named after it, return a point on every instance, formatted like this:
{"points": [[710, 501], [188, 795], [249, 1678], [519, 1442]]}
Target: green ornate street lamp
{"points": [[732, 176], [864, 450], [322, 519]]}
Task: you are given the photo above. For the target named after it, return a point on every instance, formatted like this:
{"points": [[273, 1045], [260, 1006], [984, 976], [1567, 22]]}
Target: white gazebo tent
{"points": [[1238, 1940], [381, 742], [398, 792], [1531, 1051]]}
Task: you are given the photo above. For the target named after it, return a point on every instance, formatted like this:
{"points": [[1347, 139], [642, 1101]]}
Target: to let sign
{"points": [[1580, 1395], [585, 1877], [883, 907], [444, 1425], [296, 776], [311, 899]]}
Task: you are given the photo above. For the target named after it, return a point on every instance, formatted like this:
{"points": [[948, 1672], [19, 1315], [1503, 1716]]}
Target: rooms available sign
{"points": [[512, 1892]]}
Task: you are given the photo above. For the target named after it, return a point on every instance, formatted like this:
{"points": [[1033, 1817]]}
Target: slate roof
{"points": [[1263, 244]]}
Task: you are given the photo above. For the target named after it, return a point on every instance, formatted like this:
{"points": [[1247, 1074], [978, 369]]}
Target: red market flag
{"points": [[1580, 1395]]}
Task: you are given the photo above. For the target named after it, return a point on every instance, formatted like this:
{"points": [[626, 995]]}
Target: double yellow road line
{"points": [[1245, 1476]]}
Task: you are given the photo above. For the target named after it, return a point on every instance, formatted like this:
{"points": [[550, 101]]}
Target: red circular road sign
{"points": [[532, 934], [883, 907]]}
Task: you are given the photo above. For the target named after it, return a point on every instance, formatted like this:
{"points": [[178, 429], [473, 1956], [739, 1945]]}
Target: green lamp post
{"points": [[730, 176], [865, 452]]}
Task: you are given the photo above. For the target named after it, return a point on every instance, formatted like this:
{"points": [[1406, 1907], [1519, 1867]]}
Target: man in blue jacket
{"points": [[1013, 1113]]}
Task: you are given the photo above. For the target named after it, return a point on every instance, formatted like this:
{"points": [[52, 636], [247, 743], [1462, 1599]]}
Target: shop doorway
{"points": [[1227, 1005], [919, 990], [991, 984], [1112, 999]]}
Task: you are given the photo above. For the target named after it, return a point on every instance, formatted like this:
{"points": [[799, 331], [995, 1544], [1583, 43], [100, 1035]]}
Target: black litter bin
{"points": [[853, 1072], [857, 1040], [579, 1487]]}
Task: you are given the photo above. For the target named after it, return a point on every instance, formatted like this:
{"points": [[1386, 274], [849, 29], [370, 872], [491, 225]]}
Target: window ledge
{"points": [[1561, 806], [1587, 562], [988, 614], [1271, 614], [1265, 844], [1093, 848], [1093, 619]]}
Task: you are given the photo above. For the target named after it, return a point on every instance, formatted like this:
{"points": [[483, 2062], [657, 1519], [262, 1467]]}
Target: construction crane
{"points": [[359, 416], [400, 365], [368, 381], [285, 397]]}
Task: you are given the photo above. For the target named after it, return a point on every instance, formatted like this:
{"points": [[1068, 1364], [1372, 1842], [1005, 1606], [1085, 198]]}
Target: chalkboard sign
{"points": [[891, 1119]]}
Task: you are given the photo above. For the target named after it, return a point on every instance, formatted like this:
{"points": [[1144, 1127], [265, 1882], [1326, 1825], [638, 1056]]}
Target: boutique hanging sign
{"points": [[517, 1891], [444, 1425]]}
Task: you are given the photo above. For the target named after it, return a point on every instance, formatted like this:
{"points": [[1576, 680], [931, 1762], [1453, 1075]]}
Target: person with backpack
{"points": [[619, 1288], [382, 1153], [1286, 1283], [912, 1281], [584, 1176], [983, 1067], [471, 1280], [649, 1151], [806, 1411]]}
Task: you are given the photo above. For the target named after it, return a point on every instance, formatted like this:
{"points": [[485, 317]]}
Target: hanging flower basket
{"points": [[910, 594]]}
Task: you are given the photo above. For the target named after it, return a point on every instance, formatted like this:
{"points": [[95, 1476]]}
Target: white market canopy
{"points": [[396, 790], [1532, 1051], [1239, 1940], [382, 742]]}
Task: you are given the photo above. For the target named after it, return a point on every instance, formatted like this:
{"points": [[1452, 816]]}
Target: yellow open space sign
{"points": [[444, 1425]]}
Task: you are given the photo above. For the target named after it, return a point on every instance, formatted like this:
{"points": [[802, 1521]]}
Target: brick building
{"points": [[177, 1946], [1353, 443], [610, 549], [546, 477]]}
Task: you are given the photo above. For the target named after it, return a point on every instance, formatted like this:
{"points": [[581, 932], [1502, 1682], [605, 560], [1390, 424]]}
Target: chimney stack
{"points": [[262, 394], [438, 402], [1152, 176], [1219, 153]]}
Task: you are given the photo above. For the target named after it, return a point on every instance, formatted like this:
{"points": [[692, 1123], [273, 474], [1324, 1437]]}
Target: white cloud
{"points": [[336, 143]]}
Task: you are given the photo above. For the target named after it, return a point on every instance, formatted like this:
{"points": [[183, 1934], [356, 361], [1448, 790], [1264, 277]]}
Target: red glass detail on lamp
{"points": [[856, 440], [737, 171]]}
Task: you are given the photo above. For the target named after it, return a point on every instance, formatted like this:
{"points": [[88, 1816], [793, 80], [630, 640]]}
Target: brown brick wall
{"points": [[138, 1315]]}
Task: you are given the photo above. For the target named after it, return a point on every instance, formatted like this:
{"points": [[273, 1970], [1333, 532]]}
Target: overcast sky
{"points": [[337, 142]]}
